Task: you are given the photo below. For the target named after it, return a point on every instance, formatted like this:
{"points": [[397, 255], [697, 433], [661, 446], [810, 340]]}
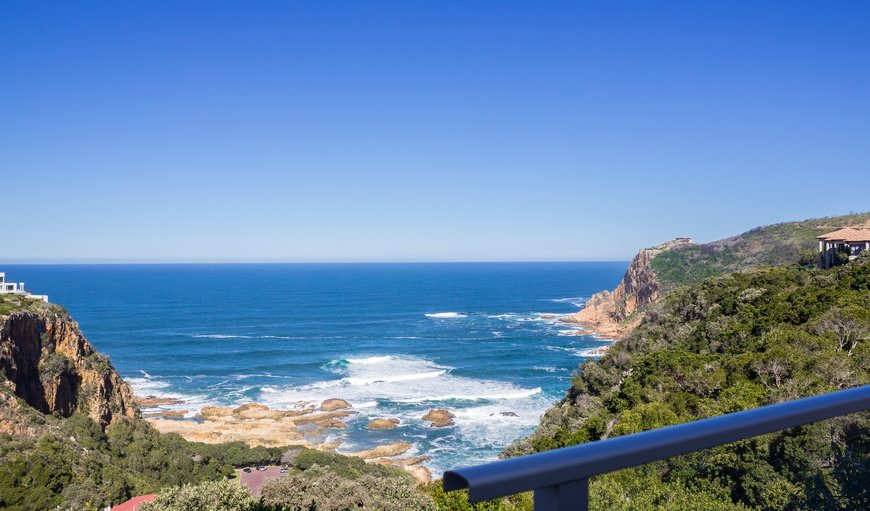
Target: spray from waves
{"points": [[488, 413], [576, 301], [578, 352], [393, 379], [445, 315]]}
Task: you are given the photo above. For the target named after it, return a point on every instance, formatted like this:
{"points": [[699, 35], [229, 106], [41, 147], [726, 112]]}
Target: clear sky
{"points": [[422, 130]]}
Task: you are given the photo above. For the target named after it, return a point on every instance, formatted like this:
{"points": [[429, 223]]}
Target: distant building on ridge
{"points": [[849, 242]]}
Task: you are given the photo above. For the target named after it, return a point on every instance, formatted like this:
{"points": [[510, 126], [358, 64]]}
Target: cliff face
{"points": [[47, 362], [611, 314]]}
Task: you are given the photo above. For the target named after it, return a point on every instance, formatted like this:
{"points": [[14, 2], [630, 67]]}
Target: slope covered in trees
{"points": [[728, 344]]}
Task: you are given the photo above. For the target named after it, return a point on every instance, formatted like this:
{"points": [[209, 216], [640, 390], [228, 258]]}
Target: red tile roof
{"points": [[847, 234], [135, 503]]}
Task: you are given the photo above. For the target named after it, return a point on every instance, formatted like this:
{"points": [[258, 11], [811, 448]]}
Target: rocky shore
{"points": [[309, 426]]}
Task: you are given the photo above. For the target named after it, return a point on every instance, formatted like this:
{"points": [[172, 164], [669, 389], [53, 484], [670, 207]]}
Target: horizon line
{"points": [[92, 262]]}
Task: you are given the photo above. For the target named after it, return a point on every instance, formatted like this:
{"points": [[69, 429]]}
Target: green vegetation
{"points": [[728, 344], [16, 303], [773, 245], [208, 496], [79, 464], [321, 488]]}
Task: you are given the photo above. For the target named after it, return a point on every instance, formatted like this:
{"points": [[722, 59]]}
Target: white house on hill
{"points": [[17, 288]]}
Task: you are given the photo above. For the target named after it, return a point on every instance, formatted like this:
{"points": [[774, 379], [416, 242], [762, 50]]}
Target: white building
{"points": [[17, 288]]}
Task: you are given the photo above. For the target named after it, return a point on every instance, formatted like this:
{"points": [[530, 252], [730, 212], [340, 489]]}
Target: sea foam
{"points": [[445, 315]]}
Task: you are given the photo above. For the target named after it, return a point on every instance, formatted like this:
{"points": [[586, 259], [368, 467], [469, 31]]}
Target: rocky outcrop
{"points": [[439, 418], [255, 424], [334, 404], [46, 361], [612, 314], [384, 451], [383, 424]]}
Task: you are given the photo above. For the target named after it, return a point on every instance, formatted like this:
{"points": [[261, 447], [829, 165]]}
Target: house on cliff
{"points": [[842, 244], [17, 288]]}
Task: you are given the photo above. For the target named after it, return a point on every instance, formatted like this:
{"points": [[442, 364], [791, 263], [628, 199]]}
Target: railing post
{"points": [[571, 496]]}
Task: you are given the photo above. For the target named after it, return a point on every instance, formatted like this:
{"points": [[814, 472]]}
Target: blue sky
{"points": [[422, 130]]}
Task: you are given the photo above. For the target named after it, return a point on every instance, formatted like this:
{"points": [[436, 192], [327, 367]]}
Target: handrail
{"points": [[560, 478]]}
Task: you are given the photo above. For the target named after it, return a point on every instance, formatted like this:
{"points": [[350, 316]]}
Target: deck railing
{"points": [[560, 478]]}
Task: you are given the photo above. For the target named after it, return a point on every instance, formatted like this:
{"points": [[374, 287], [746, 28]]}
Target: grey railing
{"points": [[560, 478]]}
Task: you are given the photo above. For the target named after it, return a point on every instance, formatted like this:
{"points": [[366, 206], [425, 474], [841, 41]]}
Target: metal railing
{"points": [[560, 478]]}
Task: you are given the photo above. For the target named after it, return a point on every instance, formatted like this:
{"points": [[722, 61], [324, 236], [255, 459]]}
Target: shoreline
{"points": [[256, 425]]}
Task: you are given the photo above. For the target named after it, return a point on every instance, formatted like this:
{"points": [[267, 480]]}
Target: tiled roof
{"points": [[135, 503], [847, 234]]}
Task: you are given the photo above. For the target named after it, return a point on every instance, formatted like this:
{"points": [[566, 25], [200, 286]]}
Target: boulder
{"points": [[334, 404], [383, 424], [384, 451], [439, 418], [152, 401]]}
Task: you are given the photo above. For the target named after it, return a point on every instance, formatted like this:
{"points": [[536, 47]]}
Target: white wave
{"points": [[547, 369], [574, 351], [595, 352], [570, 332], [578, 352], [509, 315], [394, 379], [143, 385], [474, 397], [445, 315], [370, 360], [570, 299]]}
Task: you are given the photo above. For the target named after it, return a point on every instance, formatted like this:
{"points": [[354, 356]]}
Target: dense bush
{"points": [[79, 464], [729, 344], [208, 496], [322, 489]]}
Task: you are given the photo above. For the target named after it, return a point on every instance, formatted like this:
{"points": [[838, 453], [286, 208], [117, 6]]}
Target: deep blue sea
{"points": [[393, 339]]}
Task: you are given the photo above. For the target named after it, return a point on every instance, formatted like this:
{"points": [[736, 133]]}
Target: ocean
{"points": [[395, 340]]}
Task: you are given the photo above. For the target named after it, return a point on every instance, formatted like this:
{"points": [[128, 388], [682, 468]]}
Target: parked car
{"points": [[284, 469], [247, 470], [260, 468]]}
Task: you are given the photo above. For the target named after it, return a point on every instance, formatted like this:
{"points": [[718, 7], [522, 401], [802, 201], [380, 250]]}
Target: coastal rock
{"points": [[167, 414], [334, 404], [152, 401], [215, 411], [508, 414], [612, 314], [439, 418], [331, 423], [420, 473], [384, 451], [383, 424], [47, 362], [255, 424]]}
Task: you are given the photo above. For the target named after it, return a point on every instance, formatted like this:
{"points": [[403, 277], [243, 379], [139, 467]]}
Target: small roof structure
{"points": [[135, 503], [848, 234]]}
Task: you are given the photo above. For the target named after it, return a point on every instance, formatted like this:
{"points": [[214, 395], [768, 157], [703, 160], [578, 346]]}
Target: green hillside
{"points": [[733, 343], [772, 245]]}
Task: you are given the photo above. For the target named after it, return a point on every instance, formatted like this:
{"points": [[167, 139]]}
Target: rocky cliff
{"points": [[611, 314], [48, 365]]}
